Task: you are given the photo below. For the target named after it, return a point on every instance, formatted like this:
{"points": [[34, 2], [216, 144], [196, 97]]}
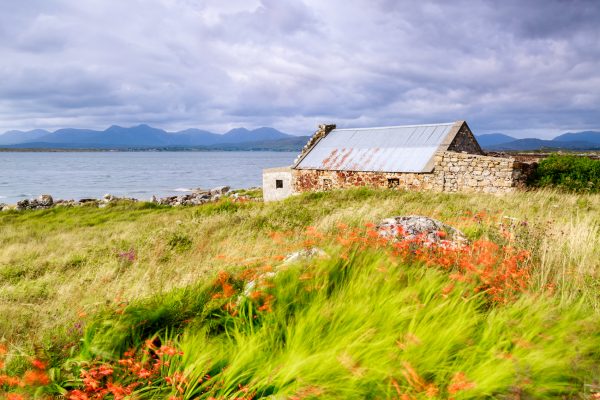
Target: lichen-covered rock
{"points": [[45, 201], [417, 227], [220, 190], [304, 254], [23, 205]]}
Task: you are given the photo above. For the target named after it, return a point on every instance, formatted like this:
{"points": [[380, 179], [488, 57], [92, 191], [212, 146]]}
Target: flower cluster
{"points": [[144, 367], [417, 385], [33, 378], [501, 272]]}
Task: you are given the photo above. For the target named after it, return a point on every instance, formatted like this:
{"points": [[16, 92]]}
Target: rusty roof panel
{"points": [[388, 149]]}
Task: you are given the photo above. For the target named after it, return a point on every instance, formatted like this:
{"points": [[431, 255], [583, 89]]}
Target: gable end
{"points": [[465, 141]]}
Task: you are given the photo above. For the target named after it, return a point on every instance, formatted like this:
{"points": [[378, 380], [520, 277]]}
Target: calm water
{"points": [[131, 174]]}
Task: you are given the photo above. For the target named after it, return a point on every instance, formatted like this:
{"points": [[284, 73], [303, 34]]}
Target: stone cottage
{"points": [[438, 157]]}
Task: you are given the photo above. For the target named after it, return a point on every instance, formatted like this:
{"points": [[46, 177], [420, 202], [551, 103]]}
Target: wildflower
{"points": [[412, 377], [431, 390], [77, 395], [38, 364], [33, 378], [14, 396], [105, 370], [10, 380], [170, 351], [460, 382]]}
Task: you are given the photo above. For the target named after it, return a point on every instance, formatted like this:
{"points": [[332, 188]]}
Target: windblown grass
{"points": [[64, 273]]}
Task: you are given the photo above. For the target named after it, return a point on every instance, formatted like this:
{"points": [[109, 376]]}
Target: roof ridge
{"points": [[395, 126]]}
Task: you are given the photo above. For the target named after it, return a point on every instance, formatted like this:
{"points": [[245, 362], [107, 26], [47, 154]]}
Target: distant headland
{"points": [[146, 138]]}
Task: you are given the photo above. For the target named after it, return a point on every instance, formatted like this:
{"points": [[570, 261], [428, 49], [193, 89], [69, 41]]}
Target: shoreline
{"points": [[195, 197], [143, 150]]}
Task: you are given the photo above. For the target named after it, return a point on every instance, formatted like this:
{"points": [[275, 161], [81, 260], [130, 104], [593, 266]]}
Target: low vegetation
{"points": [[568, 172], [156, 302]]}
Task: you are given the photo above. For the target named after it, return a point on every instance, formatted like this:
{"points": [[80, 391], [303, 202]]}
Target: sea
{"points": [[77, 175]]}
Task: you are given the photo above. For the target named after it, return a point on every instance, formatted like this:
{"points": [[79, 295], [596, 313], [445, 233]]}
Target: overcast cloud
{"points": [[520, 67]]}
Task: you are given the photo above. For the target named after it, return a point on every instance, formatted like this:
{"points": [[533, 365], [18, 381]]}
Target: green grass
{"points": [[65, 271]]}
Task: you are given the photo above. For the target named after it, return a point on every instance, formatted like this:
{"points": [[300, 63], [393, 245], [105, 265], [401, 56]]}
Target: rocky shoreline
{"points": [[196, 197]]}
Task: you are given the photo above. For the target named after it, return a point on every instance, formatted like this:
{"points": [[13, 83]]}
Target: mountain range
{"points": [[147, 137], [586, 140]]}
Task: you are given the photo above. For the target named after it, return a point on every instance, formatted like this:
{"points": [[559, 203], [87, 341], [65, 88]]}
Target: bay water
{"points": [[76, 175]]}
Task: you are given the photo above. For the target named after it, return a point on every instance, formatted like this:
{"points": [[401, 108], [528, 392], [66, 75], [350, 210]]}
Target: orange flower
{"points": [[412, 377], [460, 382], [33, 378], [77, 395], [38, 364], [9, 380]]}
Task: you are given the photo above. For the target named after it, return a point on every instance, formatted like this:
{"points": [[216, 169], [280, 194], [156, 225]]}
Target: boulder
{"points": [[220, 190], [65, 203], [417, 227], [45, 201], [23, 204], [87, 201], [305, 254]]}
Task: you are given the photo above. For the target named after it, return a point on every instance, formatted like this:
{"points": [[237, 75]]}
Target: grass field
{"points": [[82, 288]]}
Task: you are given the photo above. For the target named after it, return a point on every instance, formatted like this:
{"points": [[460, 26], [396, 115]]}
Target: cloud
{"points": [[504, 66]]}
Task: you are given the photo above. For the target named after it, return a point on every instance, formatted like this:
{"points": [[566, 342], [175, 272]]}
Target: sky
{"points": [[525, 68]]}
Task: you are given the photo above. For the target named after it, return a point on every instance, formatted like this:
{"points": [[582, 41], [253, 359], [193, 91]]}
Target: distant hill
{"points": [[585, 136], [145, 136], [492, 139], [14, 137], [539, 144], [586, 140]]}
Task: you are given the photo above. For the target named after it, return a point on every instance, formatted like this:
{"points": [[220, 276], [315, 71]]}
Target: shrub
{"points": [[567, 172]]}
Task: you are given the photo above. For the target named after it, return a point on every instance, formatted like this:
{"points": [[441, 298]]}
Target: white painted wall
{"points": [[270, 177]]}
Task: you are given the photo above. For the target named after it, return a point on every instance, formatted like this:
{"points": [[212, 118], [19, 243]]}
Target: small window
{"points": [[278, 183], [393, 183], [327, 184]]}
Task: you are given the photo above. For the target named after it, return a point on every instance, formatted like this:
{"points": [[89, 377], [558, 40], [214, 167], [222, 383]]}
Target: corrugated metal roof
{"points": [[388, 149]]}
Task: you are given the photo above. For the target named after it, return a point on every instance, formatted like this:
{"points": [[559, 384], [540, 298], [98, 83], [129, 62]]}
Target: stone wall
{"points": [[476, 173], [274, 177], [452, 172], [319, 180]]}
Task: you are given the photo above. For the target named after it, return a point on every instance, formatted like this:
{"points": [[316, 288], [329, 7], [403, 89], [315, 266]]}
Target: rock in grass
{"points": [[219, 190], [417, 227], [305, 254], [23, 204], [45, 201]]}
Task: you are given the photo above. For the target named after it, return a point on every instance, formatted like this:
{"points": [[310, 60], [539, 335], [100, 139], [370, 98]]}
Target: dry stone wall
{"points": [[452, 172], [476, 173]]}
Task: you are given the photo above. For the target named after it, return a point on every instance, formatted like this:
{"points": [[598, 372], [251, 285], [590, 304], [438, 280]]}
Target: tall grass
{"points": [[362, 327], [59, 268]]}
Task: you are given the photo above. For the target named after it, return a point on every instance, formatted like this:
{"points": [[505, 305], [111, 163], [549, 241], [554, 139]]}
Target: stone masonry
{"points": [[452, 172]]}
